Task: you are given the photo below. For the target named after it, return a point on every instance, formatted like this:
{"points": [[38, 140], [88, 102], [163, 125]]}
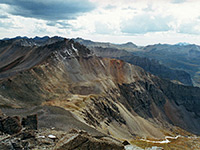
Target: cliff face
{"points": [[110, 95]]}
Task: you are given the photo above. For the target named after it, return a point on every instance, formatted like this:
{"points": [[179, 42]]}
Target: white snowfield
{"points": [[74, 49]]}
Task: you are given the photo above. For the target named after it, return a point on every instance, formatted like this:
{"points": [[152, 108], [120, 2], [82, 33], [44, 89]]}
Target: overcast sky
{"points": [[142, 22]]}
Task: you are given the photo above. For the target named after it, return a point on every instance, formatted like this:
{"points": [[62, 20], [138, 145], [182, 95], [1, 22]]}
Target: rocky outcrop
{"points": [[82, 140], [10, 125], [29, 138], [31, 122]]}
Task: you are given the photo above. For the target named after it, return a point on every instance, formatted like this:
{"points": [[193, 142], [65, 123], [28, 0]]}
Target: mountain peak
{"points": [[129, 45], [183, 44]]}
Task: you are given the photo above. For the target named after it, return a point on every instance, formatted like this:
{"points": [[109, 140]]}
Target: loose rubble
{"points": [[25, 135]]}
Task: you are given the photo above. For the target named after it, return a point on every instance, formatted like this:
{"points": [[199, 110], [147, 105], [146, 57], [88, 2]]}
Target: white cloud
{"points": [[178, 1], [190, 28], [145, 23]]}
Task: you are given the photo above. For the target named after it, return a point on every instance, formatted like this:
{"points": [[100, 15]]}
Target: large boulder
{"points": [[84, 141], [10, 125], [30, 122]]}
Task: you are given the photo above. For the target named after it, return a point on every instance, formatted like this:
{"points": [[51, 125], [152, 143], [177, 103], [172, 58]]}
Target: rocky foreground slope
{"points": [[69, 87]]}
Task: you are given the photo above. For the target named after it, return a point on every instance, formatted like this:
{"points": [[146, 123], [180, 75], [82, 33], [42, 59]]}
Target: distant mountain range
{"points": [[183, 44], [129, 46], [184, 57], [130, 54]]}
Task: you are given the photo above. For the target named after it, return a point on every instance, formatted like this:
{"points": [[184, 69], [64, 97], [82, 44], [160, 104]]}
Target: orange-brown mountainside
{"points": [[108, 95], [128, 53]]}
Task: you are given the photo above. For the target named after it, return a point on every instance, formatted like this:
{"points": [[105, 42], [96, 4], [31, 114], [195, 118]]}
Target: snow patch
{"points": [[102, 63], [74, 49], [164, 141], [51, 136], [182, 44], [68, 52], [160, 142]]}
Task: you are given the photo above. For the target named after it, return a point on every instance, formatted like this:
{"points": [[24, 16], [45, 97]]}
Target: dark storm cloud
{"points": [[49, 9]]}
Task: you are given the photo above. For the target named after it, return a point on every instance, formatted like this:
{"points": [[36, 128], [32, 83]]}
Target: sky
{"points": [[142, 22]]}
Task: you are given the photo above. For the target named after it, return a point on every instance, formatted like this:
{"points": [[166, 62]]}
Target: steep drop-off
{"points": [[114, 97]]}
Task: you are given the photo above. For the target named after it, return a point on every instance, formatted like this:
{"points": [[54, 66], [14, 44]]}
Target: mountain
{"points": [[129, 46], [67, 85], [182, 44], [180, 60], [184, 57], [15, 38], [150, 65]]}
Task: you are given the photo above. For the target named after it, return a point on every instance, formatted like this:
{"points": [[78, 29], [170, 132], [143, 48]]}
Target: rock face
{"points": [[84, 141], [110, 95], [10, 125]]}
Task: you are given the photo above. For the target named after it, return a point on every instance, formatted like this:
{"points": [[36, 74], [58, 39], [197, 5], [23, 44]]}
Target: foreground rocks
{"points": [[80, 140], [10, 125], [57, 140], [30, 122], [24, 135]]}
